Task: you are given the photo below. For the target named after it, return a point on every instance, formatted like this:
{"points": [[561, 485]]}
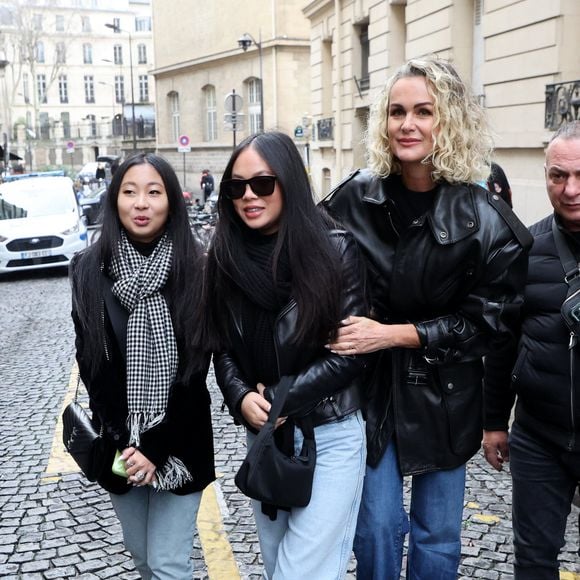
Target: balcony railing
{"points": [[325, 129], [562, 104]]}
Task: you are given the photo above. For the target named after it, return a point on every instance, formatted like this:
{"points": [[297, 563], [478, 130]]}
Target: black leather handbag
{"points": [[82, 440], [267, 474]]}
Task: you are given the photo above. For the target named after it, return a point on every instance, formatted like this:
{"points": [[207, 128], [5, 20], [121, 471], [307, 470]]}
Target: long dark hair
{"points": [[185, 278], [314, 262]]}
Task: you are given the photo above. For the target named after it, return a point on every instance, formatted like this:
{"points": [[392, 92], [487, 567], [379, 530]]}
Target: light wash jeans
{"points": [[434, 528], [316, 541], [158, 529]]}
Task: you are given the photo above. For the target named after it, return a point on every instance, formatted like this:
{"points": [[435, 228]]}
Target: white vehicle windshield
{"points": [[39, 201]]}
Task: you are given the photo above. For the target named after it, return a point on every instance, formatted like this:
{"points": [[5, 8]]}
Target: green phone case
{"points": [[119, 465]]}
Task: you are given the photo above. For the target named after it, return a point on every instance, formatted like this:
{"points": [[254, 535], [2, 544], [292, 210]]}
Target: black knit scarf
{"points": [[264, 298]]}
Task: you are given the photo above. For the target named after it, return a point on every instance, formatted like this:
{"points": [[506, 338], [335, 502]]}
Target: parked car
{"points": [[91, 201], [41, 223]]}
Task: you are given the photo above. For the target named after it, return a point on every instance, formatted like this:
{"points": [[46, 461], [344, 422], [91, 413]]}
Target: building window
{"points": [[37, 21], [60, 53], [59, 23], [87, 53], [63, 88], [254, 105], [89, 89], [92, 119], [118, 54], [364, 58], [143, 24], [40, 52], [174, 108], [65, 120], [119, 89], [85, 24], [142, 54], [117, 25], [44, 126], [41, 88], [210, 114], [143, 88], [25, 88]]}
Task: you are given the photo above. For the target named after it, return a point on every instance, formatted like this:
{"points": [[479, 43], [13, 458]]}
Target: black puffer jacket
{"points": [[457, 273], [539, 369], [326, 386]]}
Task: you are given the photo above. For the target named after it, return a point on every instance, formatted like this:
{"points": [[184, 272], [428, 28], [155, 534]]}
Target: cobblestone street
{"points": [[55, 524]]}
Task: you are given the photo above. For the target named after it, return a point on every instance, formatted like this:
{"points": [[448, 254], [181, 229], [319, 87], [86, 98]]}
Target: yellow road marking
{"points": [[217, 551], [60, 462]]}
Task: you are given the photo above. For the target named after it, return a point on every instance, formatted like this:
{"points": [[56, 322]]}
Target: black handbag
{"points": [[267, 474], [81, 439]]}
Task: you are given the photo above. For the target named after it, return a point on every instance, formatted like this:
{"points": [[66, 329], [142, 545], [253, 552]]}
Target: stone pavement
{"points": [[55, 524]]}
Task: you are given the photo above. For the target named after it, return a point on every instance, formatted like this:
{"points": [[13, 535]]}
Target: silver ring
{"points": [[139, 476]]}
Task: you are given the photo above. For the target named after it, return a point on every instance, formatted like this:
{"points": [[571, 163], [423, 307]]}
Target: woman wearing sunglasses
{"points": [[280, 280]]}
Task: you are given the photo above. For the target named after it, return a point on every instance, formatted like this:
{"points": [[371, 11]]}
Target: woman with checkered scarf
{"points": [[136, 297]]}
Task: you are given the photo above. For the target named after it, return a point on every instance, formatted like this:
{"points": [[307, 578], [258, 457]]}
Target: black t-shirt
{"points": [[408, 204]]}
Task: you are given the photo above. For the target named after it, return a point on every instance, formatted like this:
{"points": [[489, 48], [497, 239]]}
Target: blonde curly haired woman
{"points": [[447, 261]]}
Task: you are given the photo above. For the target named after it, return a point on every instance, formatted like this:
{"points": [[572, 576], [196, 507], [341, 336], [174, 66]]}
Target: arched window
{"points": [[173, 101], [254, 89], [210, 113]]}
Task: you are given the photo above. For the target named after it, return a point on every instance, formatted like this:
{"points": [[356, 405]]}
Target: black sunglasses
{"points": [[261, 185]]}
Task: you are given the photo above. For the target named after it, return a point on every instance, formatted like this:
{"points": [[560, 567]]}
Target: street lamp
{"points": [[117, 29], [244, 42]]}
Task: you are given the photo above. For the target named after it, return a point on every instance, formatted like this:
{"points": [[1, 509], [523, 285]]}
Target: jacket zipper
{"points": [[571, 345], [104, 334]]}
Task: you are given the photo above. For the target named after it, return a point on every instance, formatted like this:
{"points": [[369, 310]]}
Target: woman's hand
{"points": [[140, 471], [255, 408], [360, 335]]}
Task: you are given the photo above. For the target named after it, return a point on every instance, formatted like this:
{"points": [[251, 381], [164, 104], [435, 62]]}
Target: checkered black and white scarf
{"points": [[151, 347]]}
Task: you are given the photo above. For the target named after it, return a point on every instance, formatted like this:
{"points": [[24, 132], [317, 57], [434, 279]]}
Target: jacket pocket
{"points": [[462, 395], [518, 366]]}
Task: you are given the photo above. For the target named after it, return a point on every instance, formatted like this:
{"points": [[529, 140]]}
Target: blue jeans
{"points": [[158, 529], [544, 479], [316, 541], [434, 523]]}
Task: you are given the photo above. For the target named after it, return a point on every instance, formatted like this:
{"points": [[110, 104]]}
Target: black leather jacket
{"points": [[457, 273], [325, 386]]}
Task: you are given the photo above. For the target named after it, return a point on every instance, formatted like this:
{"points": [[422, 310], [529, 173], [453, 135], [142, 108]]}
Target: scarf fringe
{"points": [[140, 422], [173, 474]]}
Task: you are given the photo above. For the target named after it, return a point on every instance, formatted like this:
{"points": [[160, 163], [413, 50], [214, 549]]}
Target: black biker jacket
{"points": [[326, 386], [457, 273]]}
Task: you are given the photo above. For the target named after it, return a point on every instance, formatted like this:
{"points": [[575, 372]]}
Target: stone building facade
{"points": [[200, 65], [76, 74], [520, 57]]}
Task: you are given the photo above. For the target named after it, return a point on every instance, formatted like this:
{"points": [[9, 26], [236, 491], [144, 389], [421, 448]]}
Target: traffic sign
{"points": [[70, 146], [183, 146], [233, 103], [234, 121], [299, 131]]}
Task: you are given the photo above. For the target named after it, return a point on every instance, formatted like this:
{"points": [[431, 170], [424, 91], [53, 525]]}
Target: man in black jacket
{"points": [[544, 442]]}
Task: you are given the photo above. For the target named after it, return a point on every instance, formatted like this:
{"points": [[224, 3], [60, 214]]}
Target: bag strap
{"points": [[567, 259], [77, 389], [280, 398]]}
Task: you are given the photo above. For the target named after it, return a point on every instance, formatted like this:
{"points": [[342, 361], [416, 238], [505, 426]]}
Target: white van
{"points": [[41, 225]]}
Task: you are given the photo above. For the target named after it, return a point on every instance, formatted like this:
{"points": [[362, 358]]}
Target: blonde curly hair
{"points": [[462, 140]]}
